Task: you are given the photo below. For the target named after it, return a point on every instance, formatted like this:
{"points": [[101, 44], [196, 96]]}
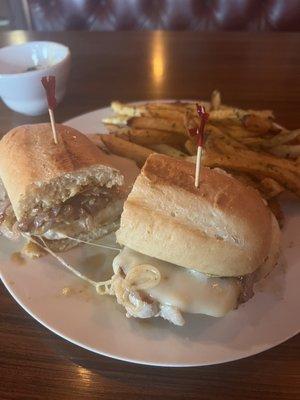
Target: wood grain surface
{"points": [[251, 70]]}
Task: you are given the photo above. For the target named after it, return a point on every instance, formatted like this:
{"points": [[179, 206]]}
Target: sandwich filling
{"points": [[179, 290], [83, 206], [7, 215], [83, 212]]}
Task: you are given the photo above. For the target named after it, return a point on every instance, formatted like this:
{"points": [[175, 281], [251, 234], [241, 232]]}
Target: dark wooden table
{"points": [[251, 70]]}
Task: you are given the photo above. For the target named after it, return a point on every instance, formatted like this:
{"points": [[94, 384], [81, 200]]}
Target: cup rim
{"points": [[31, 73]]}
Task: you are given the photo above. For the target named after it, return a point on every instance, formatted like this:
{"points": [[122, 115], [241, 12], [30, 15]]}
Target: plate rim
{"points": [[137, 362]]}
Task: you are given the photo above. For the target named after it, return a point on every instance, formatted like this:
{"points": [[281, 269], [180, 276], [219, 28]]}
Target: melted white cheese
{"points": [[186, 289]]}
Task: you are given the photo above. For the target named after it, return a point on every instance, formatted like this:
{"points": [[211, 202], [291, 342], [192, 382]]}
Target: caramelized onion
{"points": [[83, 205]]}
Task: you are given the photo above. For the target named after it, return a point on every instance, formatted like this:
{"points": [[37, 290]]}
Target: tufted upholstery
{"points": [[202, 15]]}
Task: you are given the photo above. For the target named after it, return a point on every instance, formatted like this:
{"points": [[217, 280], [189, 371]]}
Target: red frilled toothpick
{"points": [[199, 132], [49, 85]]}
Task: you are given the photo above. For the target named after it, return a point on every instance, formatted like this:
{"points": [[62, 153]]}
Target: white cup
{"points": [[21, 89]]}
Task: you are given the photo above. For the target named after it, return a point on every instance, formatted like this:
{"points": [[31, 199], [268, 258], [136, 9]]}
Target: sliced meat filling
{"points": [[82, 206]]}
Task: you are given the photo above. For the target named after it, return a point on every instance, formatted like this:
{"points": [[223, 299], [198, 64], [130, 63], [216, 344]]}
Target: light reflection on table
{"points": [[158, 59]]}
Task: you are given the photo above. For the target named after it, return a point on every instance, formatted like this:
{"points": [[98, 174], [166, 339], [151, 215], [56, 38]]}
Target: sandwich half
{"points": [[191, 250], [61, 193]]}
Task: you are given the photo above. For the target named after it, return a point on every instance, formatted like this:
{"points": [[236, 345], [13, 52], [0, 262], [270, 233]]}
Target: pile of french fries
{"points": [[247, 143]]}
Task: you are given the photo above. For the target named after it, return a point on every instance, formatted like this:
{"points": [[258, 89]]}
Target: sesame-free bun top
{"points": [[37, 172], [222, 228]]}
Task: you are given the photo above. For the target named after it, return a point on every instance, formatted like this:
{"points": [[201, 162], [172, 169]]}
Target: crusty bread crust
{"points": [[274, 251], [37, 172], [222, 228]]}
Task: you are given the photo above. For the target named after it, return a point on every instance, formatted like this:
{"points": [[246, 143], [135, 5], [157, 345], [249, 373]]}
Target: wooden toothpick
{"points": [[49, 85], [199, 132], [198, 166], [52, 121]]}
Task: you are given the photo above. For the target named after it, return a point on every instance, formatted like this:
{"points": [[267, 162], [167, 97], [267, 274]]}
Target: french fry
{"points": [[215, 132], [273, 145], [266, 114], [123, 148], [147, 137], [190, 121], [118, 130], [256, 142], [252, 156], [286, 151], [119, 120], [190, 147], [168, 150], [253, 164], [172, 115], [234, 116], [267, 187], [157, 123], [191, 159], [174, 110], [237, 132], [227, 114], [243, 177], [215, 101], [96, 139], [282, 138], [127, 109], [246, 143], [177, 106], [257, 124], [270, 188]]}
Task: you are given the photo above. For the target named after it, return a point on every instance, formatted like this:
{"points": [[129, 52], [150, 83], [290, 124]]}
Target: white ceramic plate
{"points": [[99, 324]]}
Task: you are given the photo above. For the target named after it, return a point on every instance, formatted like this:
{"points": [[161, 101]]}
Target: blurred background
{"points": [[111, 15]]}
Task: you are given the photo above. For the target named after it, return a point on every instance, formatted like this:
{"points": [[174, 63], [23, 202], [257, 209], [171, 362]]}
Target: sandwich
{"points": [[60, 194], [187, 249]]}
